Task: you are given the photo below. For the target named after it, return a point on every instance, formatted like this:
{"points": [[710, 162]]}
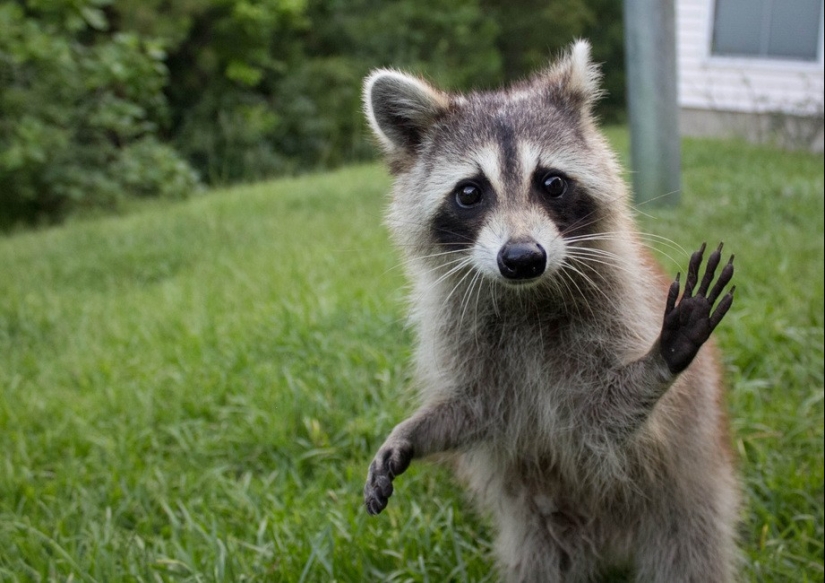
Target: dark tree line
{"points": [[101, 100]]}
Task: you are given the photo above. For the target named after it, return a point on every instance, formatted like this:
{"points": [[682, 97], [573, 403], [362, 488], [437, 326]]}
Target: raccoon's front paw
{"points": [[689, 323], [391, 461]]}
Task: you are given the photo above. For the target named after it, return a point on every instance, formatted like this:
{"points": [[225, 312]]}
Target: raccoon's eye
{"points": [[554, 185], [468, 195]]}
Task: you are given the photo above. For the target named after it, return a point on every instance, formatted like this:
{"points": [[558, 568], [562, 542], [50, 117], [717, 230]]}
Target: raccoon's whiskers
{"points": [[478, 294], [588, 279], [670, 243], [441, 254], [635, 207], [565, 278], [594, 251], [457, 265], [576, 226], [673, 245], [556, 288], [585, 261], [541, 336], [580, 224], [586, 255], [645, 239], [467, 294], [494, 298], [460, 281], [408, 261]]}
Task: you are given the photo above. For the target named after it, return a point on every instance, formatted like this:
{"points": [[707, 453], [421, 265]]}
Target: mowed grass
{"points": [[193, 391]]}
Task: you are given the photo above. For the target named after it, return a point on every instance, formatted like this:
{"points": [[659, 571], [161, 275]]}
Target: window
{"points": [[781, 29]]}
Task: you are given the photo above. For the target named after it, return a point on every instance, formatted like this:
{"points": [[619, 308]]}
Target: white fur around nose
{"points": [[503, 227]]}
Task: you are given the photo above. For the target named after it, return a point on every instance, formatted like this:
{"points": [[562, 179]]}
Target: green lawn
{"points": [[193, 391]]}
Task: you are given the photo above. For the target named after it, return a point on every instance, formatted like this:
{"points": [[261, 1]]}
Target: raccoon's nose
{"points": [[522, 260]]}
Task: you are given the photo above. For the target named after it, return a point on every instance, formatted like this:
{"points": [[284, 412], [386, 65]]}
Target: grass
{"points": [[193, 391]]}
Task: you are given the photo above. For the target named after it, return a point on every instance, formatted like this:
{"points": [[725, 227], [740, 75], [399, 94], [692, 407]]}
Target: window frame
{"points": [[761, 61]]}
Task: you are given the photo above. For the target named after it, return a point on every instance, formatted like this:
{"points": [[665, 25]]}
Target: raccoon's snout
{"points": [[522, 260]]}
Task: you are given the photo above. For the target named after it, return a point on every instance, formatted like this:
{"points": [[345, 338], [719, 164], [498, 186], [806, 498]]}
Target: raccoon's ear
{"points": [[401, 109], [574, 79]]}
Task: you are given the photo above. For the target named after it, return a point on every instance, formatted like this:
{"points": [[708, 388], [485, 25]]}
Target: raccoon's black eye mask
{"points": [[569, 205], [460, 216]]}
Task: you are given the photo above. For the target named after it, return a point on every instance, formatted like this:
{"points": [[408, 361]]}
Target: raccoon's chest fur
{"points": [[539, 370], [539, 382], [535, 367]]}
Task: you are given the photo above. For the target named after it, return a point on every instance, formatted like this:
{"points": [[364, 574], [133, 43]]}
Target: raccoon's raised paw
{"points": [[688, 324], [391, 461]]}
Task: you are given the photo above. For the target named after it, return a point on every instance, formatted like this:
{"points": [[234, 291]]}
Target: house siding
{"points": [[758, 99], [740, 85]]}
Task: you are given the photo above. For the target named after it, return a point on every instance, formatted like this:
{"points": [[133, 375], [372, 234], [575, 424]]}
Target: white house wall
{"points": [[739, 85]]}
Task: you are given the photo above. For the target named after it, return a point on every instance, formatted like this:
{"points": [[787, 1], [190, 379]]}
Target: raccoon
{"points": [[577, 395]]}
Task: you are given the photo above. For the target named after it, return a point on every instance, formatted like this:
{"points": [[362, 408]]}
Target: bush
{"points": [[150, 168], [105, 99], [226, 136], [79, 109]]}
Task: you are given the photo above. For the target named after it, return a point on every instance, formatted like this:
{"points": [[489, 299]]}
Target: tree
{"points": [[534, 30], [107, 99], [80, 111]]}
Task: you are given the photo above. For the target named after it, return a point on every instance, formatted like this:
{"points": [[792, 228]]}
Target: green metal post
{"points": [[650, 52]]}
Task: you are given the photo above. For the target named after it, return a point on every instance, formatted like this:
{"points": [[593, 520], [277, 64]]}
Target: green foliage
{"points": [[239, 89], [192, 392], [455, 47], [250, 105], [77, 108], [226, 60], [267, 87], [320, 104], [534, 30], [147, 167]]}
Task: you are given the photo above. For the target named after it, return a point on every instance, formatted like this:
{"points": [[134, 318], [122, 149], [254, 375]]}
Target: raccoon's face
{"points": [[511, 184]]}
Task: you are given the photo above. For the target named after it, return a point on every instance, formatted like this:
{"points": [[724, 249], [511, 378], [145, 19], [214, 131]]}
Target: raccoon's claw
{"points": [[688, 324], [391, 461]]}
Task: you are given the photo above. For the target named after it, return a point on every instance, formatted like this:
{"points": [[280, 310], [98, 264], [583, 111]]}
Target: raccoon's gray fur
{"points": [[554, 362]]}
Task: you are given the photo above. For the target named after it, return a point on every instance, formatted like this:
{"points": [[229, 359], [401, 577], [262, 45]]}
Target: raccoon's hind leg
{"points": [[537, 543], [691, 542]]}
